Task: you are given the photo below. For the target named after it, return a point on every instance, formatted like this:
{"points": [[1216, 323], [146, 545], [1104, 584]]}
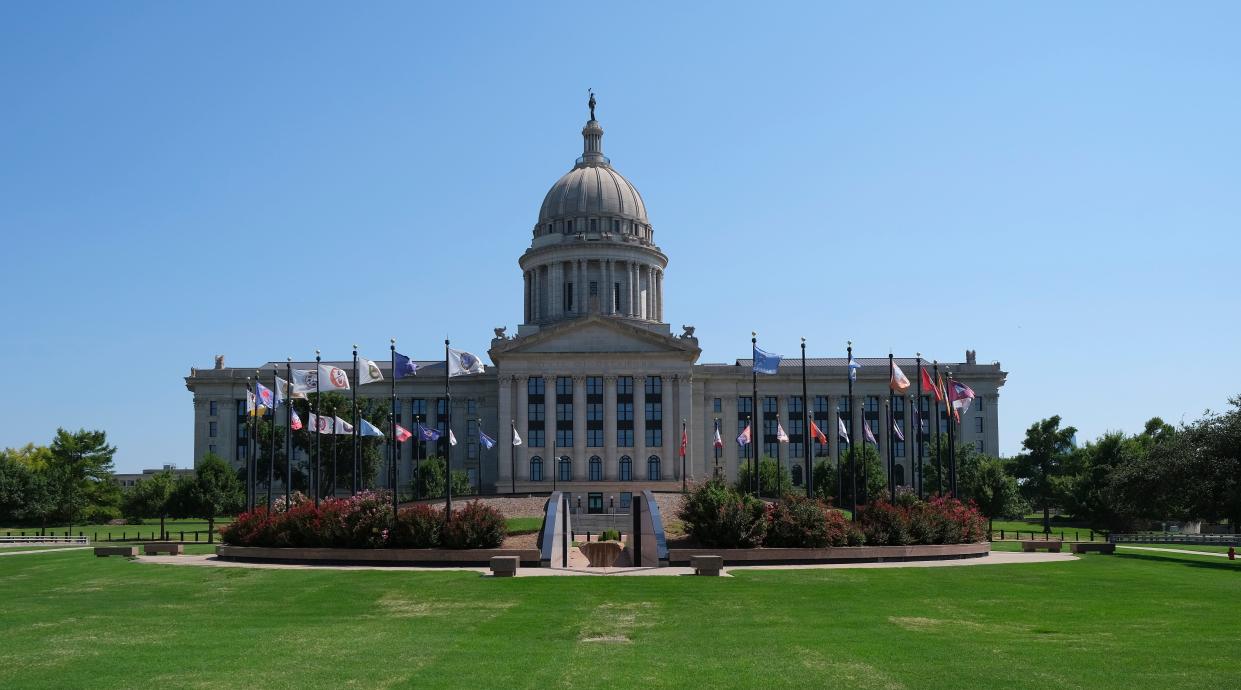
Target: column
{"points": [[549, 425], [522, 458], [580, 467], [611, 460], [685, 410], [731, 454], [669, 461], [555, 300], [659, 295], [634, 293], [605, 269], [583, 286], [504, 458], [639, 427]]}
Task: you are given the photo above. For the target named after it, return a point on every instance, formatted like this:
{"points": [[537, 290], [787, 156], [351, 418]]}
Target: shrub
{"points": [[475, 526], [717, 515], [939, 521], [885, 524], [418, 527], [801, 522], [367, 517], [609, 535]]}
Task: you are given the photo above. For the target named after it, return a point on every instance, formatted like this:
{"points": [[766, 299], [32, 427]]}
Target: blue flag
{"points": [[403, 366], [853, 367], [765, 362], [486, 440], [427, 433]]}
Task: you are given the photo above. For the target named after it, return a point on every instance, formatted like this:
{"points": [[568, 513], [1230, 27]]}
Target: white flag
{"points": [[333, 378], [340, 426], [303, 383], [321, 425], [516, 438], [899, 383], [780, 435], [368, 372], [461, 363], [452, 440], [282, 391], [841, 430]]}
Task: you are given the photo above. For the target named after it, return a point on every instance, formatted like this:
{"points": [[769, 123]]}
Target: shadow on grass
{"points": [[1181, 558]]}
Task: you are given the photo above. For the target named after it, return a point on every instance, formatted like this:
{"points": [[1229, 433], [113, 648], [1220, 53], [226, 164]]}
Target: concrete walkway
{"points": [[19, 553], [1187, 551], [994, 558]]}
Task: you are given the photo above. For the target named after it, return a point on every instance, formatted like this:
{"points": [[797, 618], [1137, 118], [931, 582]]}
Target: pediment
{"points": [[595, 335]]}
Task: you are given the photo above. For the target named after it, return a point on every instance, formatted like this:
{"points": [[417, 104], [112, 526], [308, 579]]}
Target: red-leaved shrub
{"points": [[417, 527], [800, 522], [474, 526]]}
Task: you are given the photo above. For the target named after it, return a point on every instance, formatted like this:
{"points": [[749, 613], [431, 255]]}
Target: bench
{"points": [[157, 547], [707, 565], [102, 551], [505, 566], [1085, 546], [1052, 545]]}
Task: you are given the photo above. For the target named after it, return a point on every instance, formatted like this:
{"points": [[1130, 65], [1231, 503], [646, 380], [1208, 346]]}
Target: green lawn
{"points": [[1131, 620], [522, 525]]}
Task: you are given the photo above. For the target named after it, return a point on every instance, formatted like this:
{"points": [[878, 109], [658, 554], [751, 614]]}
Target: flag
{"points": [[403, 366], [516, 438], [766, 362], [486, 440], [816, 433], [333, 378], [369, 429], [919, 423], [927, 384], [295, 422], [940, 391], [249, 403], [853, 367], [960, 395], [368, 372], [869, 436], [896, 429], [461, 363], [427, 433], [303, 382], [402, 434], [719, 442], [322, 425], [841, 431], [340, 426], [684, 441], [781, 437], [899, 382], [282, 391], [265, 398], [743, 438], [452, 439]]}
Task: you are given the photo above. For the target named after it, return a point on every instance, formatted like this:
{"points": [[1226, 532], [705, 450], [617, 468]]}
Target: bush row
{"points": [[365, 521], [717, 515]]}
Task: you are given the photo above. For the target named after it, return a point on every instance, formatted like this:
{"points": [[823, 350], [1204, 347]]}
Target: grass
{"points": [[1129, 620], [101, 532], [524, 525]]}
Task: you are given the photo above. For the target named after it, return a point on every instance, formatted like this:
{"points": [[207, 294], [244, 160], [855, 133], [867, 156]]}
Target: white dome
{"points": [[592, 188]]}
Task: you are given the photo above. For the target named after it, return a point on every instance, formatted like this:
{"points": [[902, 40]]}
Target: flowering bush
{"points": [[938, 521], [802, 522], [417, 527], [475, 526], [716, 514]]}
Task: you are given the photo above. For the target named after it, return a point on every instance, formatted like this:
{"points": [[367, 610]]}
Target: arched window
{"points": [[566, 468], [899, 475], [596, 469], [536, 469], [626, 469], [796, 475], [652, 469]]}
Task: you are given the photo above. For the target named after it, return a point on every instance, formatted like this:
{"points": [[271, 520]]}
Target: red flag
{"points": [[927, 384], [295, 423], [684, 441], [816, 433], [402, 434]]}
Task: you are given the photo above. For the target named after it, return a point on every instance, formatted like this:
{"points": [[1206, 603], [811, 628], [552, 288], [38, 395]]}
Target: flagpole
{"points": [[891, 410], [754, 408], [356, 425], [480, 457], [512, 456], [952, 444], [716, 472], [271, 466], [939, 466], [684, 487], [805, 425], [394, 450], [851, 451], [249, 443], [918, 409], [288, 431], [318, 394], [447, 416]]}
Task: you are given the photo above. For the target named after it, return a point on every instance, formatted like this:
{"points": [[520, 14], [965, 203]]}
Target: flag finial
{"points": [[392, 341]]}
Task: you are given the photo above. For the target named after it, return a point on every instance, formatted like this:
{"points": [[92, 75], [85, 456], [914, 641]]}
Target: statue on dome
{"points": [[591, 103]]}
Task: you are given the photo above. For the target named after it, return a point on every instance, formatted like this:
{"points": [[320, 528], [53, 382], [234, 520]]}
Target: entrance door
{"points": [[594, 503]]}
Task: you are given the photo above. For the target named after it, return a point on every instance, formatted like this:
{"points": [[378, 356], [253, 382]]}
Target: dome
{"points": [[593, 187]]}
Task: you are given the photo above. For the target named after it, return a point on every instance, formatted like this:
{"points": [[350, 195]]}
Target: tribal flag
{"points": [[516, 438], [817, 434], [927, 384], [684, 441], [266, 398], [427, 433], [303, 382], [919, 423], [461, 363], [340, 426], [403, 366], [899, 382], [743, 438], [452, 439], [853, 367], [486, 440], [369, 429], [368, 372], [249, 403], [282, 391], [960, 395], [333, 378], [719, 442], [781, 437], [295, 422], [402, 434], [841, 431], [896, 429], [766, 362], [941, 393], [869, 436], [322, 425]]}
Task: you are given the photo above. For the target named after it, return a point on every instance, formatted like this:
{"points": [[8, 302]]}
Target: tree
{"points": [[1048, 448], [371, 450], [825, 477], [772, 477], [429, 480], [966, 457], [213, 490], [989, 484], [77, 461], [150, 498]]}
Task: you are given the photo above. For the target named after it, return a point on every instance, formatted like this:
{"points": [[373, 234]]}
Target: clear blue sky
{"points": [[1053, 185]]}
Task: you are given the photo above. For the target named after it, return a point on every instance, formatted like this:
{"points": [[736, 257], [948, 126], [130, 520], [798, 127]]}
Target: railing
{"points": [[44, 540], [1168, 538], [204, 536], [1063, 535]]}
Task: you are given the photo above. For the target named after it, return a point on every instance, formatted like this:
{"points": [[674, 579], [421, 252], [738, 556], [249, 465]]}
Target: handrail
{"points": [[44, 540]]}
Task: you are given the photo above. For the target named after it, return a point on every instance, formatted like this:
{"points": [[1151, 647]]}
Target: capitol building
{"points": [[597, 384]]}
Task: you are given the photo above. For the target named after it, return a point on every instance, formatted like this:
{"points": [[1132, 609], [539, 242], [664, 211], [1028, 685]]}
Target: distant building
{"points": [[126, 479], [596, 384]]}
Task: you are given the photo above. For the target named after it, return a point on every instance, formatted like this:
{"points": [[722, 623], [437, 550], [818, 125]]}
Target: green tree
{"points": [[773, 477], [1048, 454], [15, 484], [152, 498], [429, 480], [78, 461], [213, 490], [867, 457], [989, 484], [371, 450], [936, 463]]}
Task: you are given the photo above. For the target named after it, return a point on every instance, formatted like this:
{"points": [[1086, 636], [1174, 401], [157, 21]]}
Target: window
{"points": [[616, 226], [842, 406], [568, 296], [616, 301], [536, 469], [535, 437], [626, 472], [564, 385], [796, 449], [564, 411], [471, 450], [594, 438], [396, 408], [565, 468], [471, 475], [900, 448], [594, 288], [418, 408], [978, 445], [654, 411], [872, 403], [717, 405], [594, 225], [211, 449], [213, 408], [795, 405], [626, 498], [898, 404], [471, 407], [624, 438], [654, 437], [978, 404], [654, 385], [594, 385], [536, 412], [534, 385], [564, 438], [243, 451], [624, 385], [978, 423], [624, 412], [568, 226], [213, 428], [745, 406], [652, 469], [769, 404], [596, 469], [796, 475], [898, 475]]}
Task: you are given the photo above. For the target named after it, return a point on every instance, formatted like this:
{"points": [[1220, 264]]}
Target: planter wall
{"points": [[836, 554], [394, 557]]}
